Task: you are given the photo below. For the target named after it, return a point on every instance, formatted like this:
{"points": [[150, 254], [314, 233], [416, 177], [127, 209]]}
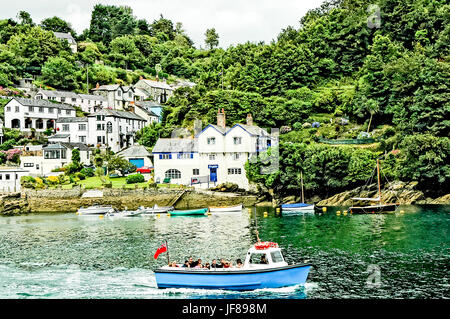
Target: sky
{"points": [[235, 21]]}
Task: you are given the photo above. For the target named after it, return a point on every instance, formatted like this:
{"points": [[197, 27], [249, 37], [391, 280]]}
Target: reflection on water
{"points": [[66, 256]]}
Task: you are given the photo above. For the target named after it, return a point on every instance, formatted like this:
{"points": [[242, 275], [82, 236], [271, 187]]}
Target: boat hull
{"points": [[373, 209], [309, 209], [189, 212], [248, 279], [95, 210], [236, 209]]}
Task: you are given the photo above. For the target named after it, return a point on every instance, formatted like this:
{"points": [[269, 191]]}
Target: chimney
{"points": [[221, 118], [97, 86], [249, 119], [141, 77]]}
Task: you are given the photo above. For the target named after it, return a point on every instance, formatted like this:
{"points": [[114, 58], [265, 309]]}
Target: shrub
{"points": [[87, 171], [135, 178], [99, 172], [27, 182], [53, 180], [80, 176]]}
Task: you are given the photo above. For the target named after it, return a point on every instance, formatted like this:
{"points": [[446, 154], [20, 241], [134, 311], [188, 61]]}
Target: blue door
{"points": [[138, 162], [213, 174]]}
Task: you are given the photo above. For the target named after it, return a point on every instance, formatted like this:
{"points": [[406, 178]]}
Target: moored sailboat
{"points": [[298, 208], [378, 206]]}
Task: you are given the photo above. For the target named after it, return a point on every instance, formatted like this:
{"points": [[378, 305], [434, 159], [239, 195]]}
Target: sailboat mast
{"points": [[301, 177], [379, 182]]}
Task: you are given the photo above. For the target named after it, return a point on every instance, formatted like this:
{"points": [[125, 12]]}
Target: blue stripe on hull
{"points": [[234, 281]]}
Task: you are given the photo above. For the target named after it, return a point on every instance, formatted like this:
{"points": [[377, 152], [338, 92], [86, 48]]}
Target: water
{"points": [[66, 256]]}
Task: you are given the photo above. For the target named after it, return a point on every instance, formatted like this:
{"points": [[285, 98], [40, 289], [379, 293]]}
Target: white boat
{"points": [[237, 208], [298, 208], [156, 210], [95, 210], [124, 213]]}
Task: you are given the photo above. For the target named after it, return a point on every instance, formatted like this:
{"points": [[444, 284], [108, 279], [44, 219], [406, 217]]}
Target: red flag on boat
{"points": [[160, 250]]}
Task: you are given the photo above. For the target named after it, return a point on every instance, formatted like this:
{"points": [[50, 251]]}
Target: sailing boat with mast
{"points": [[296, 208], [379, 207]]}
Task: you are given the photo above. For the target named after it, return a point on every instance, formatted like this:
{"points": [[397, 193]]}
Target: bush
{"points": [[52, 180], [135, 178], [27, 182], [80, 176], [87, 171]]}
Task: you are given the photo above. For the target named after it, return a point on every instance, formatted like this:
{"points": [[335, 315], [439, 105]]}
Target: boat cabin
{"points": [[263, 255]]}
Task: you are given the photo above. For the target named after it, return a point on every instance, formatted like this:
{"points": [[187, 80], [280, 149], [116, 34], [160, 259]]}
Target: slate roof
{"points": [[59, 136], [148, 104], [175, 145], [67, 36], [109, 87], [135, 151], [149, 112], [72, 119], [65, 94], [157, 84], [43, 103], [92, 97], [253, 129], [121, 114], [62, 145]]}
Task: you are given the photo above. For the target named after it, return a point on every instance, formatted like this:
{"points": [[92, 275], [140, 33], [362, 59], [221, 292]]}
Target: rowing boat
{"points": [[201, 211], [237, 208]]}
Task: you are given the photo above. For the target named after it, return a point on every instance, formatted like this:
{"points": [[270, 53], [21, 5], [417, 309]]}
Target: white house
{"points": [[10, 178], [87, 102], [137, 155], [25, 114], [176, 159], [117, 96], [143, 112], [71, 129], [52, 156], [69, 38], [217, 155], [158, 91]]}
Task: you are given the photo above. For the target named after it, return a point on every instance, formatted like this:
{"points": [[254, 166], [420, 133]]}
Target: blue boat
{"points": [[254, 274], [297, 208]]}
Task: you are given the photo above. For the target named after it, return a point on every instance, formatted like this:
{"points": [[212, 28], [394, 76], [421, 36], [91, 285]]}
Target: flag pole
{"points": [[168, 260]]}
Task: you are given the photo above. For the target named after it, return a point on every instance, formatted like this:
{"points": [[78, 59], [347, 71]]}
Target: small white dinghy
{"points": [[95, 210], [229, 209]]}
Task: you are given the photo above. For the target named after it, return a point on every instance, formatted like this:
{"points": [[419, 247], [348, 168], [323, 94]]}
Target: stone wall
{"points": [[13, 204], [59, 200]]}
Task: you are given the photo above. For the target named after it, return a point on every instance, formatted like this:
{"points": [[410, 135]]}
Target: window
{"points": [[130, 94], [54, 154], [256, 258], [41, 109], [165, 156], [74, 99], [28, 164], [119, 93], [236, 156], [276, 257], [237, 140], [67, 112], [100, 117], [65, 127], [234, 171], [8, 108], [185, 155], [82, 139], [1, 177], [212, 157], [17, 109], [50, 110], [30, 109], [81, 127], [101, 139], [63, 99], [59, 111], [196, 171], [211, 140], [173, 174], [7, 176]]}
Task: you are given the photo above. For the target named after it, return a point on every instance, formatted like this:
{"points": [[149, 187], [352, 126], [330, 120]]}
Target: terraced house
{"points": [[27, 114], [87, 102]]}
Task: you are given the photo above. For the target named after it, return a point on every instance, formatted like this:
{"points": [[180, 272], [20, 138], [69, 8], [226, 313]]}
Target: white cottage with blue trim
{"points": [[216, 155]]}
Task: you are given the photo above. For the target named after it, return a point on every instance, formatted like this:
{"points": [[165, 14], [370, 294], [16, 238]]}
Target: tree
{"points": [[57, 24], [212, 38], [25, 18], [148, 135], [60, 73], [118, 163], [163, 29]]}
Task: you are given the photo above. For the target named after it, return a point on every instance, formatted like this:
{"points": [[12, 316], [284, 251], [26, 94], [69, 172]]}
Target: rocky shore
{"points": [[394, 192]]}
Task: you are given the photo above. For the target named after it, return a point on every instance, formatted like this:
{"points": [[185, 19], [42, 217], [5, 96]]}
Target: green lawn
{"points": [[117, 182]]}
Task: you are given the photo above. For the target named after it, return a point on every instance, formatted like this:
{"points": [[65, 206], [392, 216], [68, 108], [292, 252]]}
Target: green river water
{"points": [[400, 255]]}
